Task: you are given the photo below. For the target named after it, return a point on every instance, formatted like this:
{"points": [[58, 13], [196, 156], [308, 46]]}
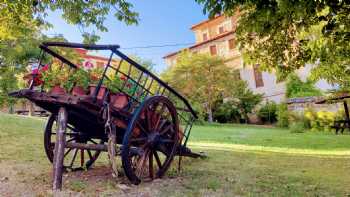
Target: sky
{"points": [[162, 22]]}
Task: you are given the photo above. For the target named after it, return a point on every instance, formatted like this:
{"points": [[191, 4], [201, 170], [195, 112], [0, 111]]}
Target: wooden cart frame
{"points": [[147, 133]]}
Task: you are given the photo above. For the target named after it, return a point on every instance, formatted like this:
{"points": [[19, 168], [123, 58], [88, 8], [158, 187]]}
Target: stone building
{"points": [[217, 37]]}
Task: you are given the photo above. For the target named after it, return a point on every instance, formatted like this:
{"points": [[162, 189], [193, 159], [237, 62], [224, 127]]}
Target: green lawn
{"points": [[243, 161]]}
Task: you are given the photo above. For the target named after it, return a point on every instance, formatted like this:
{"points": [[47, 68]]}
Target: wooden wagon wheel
{"points": [[151, 140], [74, 159]]}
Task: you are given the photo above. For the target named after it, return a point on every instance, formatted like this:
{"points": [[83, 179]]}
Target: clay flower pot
{"points": [[101, 92], [78, 91], [57, 90], [119, 100]]}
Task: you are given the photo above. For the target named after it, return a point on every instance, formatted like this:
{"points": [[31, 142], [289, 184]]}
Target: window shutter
{"points": [[213, 50]]}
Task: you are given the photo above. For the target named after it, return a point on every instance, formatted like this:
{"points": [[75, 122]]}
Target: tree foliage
{"points": [[284, 35], [295, 87], [19, 18], [200, 77]]}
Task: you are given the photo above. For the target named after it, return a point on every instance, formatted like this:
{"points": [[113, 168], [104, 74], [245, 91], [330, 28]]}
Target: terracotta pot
{"points": [[78, 91], [101, 92], [57, 90], [119, 100]]}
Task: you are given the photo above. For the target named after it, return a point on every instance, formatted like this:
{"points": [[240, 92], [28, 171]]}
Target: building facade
{"points": [[90, 61], [217, 37]]}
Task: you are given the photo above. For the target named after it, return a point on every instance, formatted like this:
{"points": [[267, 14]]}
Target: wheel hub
{"points": [[153, 139]]}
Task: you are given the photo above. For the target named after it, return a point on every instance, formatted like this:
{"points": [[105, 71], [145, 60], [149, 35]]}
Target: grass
{"points": [[252, 135], [243, 161]]}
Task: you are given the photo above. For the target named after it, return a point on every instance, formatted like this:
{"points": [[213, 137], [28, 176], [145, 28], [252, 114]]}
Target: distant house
{"points": [[91, 61], [217, 37]]}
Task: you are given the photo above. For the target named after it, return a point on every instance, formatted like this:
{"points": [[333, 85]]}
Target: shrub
{"points": [[294, 117], [225, 113], [282, 115], [297, 127], [268, 112], [244, 99], [322, 120]]}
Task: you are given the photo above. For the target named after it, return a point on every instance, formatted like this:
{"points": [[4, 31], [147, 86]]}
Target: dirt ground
{"points": [[28, 180]]}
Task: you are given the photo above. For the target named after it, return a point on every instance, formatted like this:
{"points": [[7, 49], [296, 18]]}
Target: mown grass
{"points": [[243, 161], [269, 137]]}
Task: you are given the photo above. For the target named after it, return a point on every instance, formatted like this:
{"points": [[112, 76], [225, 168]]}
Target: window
{"points": [[224, 27], [205, 37], [258, 76], [213, 50], [231, 44]]}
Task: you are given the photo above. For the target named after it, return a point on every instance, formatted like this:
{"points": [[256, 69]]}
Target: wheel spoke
{"points": [[72, 129], [159, 117], [140, 139], [67, 152], [73, 159], [141, 128], [149, 119], [90, 140], [157, 159], [89, 153], [166, 129], [141, 164], [71, 139], [150, 165], [162, 124], [81, 157], [167, 141]]}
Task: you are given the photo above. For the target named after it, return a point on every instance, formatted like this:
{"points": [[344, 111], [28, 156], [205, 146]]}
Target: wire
{"points": [[157, 46]]}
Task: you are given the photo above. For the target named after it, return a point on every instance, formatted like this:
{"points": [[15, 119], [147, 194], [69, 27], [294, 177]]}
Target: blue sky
{"points": [[161, 22]]}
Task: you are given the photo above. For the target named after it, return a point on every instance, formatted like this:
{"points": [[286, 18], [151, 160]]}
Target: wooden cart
{"points": [[147, 132]]}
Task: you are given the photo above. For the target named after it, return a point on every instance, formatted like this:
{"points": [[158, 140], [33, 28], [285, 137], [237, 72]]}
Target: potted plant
{"points": [[78, 82], [95, 75], [118, 99], [54, 79]]}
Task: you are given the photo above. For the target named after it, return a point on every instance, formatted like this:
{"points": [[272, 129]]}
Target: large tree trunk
{"points": [[210, 115]]}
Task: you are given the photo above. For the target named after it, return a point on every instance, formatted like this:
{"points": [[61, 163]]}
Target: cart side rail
{"points": [[114, 49], [157, 79], [79, 45]]}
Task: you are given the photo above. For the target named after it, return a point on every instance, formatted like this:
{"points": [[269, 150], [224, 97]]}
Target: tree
{"points": [[283, 35], [295, 87], [201, 78]]}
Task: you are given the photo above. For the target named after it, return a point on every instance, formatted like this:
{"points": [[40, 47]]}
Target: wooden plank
{"points": [[59, 149], [98, 147]]}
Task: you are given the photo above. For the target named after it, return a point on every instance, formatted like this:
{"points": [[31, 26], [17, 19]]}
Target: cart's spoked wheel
{"points": [[74, 159], [151, 140]]}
